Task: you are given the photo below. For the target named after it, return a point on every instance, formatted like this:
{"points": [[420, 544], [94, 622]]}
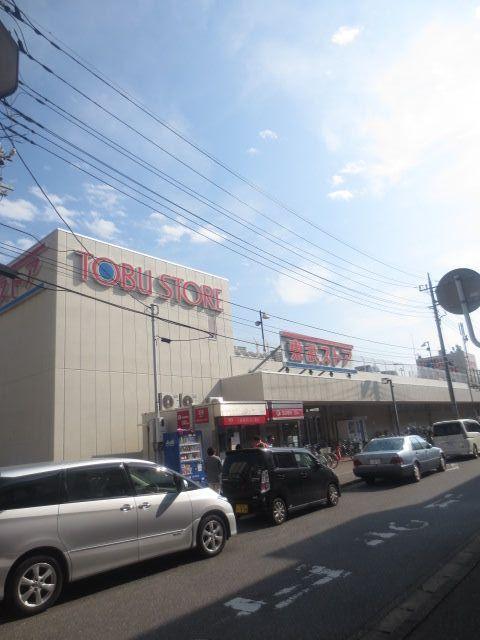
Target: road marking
{"points": [[244, 606], [445, 501], [317, 576], [452, 467], [374, 543], [386, 535], [375, 538], [418, 524]]}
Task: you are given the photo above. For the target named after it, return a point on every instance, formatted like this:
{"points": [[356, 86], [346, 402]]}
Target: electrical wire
{"points": [[21, 16]]}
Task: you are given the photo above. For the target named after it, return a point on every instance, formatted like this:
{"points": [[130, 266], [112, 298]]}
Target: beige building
{"points": [[76, 346], [76, 364]]}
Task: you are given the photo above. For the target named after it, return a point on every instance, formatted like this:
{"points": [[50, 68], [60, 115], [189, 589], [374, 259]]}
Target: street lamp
{"points": [[426, 345], [395, 410], [259, 323]]}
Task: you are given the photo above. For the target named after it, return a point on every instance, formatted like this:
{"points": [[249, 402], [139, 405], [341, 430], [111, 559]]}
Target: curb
{"points": [[402, 619], [350, 482]]}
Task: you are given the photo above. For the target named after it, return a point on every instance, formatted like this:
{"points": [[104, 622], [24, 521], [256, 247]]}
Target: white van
{"points": [[457, 437]]}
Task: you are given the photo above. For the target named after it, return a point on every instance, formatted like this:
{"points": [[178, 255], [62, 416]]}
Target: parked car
{"points": [[62, 522], [457, 437], [276, 482], [397, 457]]}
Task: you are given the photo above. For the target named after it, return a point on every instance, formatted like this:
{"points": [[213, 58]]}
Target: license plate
{"points": [[375, 461], [241, 508]]}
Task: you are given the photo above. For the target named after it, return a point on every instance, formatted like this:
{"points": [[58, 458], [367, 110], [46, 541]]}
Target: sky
{"points": [[359, 118]]}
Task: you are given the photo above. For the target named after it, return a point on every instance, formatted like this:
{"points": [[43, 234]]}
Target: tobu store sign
{"points": [[13, 291], [315, 353], [108, 273]]}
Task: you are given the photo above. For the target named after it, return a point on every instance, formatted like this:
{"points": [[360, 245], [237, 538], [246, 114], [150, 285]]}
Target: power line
{"points": [[136, 159], [209, 237], [236, 304], [186, 210], [18, 15]]}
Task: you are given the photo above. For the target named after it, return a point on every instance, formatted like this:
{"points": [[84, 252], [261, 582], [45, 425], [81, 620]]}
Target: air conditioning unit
{"points": [[167, 401], [187, 401], [215, 399]]}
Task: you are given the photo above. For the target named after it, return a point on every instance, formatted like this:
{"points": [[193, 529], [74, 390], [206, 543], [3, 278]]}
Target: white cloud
{"points": [[101, 227], [177, 232], [49, 213], [25, 243], [268, 134], [20, 210], [293, 292], [345, 35], [477, 12], [102, 196], [353, 168], [253, 151], [337, 180], [341, 194]]}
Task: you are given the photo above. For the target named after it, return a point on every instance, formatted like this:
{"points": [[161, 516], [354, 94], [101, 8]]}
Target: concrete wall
{"points": [[27, 373], [103, 355]]}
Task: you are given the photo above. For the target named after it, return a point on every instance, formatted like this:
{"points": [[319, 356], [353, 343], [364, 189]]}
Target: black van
{"points": [[276, 481]]}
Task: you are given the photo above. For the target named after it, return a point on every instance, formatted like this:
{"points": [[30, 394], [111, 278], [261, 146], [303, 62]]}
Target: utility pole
{"points": [[259, 323], [467, 365], [394, 402], [154, 312], [443, 353]]}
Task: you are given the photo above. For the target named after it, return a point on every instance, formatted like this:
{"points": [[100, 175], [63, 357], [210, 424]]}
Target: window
{"points": [[385, 444], [305, 460], [472, 425], [97, 483], [34, 490], [150, 479], [285, 460], [447, 429], [244, 464], [417, 444]]}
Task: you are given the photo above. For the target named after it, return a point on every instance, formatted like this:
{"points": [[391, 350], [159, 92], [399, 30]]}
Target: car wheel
{"points": [[475, 451], [211, 536], [35, 585], [442, 465], [333, 495], [370, 480], [417, 474], [278, 511]]}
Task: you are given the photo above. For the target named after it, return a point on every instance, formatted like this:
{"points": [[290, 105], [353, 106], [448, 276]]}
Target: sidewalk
{"points": [[456, 617], [344, 472]]}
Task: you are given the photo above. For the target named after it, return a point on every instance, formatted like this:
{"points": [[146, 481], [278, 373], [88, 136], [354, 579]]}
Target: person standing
{"points": [[213, 469], [258, 443]]}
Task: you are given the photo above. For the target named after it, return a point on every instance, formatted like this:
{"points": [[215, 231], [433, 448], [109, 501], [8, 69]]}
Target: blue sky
{"points": [[361, 116]]}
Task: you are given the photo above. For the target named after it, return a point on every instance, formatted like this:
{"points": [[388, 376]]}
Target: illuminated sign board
{"points": [[108, 273], [17, 290], [315, 353]]}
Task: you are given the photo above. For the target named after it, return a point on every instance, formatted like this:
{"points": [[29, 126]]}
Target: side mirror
{"points": [[429, 446], [179, 483]]}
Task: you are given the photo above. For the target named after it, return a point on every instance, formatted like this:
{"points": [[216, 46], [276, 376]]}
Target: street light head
{"points": [[257, 323], [386, 380]]}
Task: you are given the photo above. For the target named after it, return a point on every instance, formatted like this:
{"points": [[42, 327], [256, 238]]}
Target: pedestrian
{"points": [[238, 447], [213, 469], [270, 441], [258, 443]]}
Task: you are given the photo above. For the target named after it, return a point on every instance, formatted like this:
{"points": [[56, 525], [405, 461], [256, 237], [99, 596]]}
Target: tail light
{"points": [[356, 463], [396, 460], [264, 482]]}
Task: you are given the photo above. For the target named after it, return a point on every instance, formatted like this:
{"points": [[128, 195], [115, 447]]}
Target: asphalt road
{"points": [[324, 574]]}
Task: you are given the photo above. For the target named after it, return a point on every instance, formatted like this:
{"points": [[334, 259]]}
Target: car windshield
{"points": [[385, 444], [447, 429]]}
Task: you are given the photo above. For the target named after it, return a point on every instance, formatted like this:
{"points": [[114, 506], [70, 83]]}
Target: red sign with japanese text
{"points": [[183, 419], [16, 290], [232, 421], [315, 353], [201, 415]]}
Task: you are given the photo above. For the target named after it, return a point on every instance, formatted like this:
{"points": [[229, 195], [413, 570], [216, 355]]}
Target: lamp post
{"points": [[259, 323], [395, 410], [426, 345]]}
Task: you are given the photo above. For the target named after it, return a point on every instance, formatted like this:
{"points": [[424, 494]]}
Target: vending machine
{"points": [[183, 453]]}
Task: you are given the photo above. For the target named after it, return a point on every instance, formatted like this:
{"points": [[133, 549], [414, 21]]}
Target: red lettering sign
{"points": [[28, 265], [183, 420], [232, 421], [108, 273], [201, 415], [296, 350]]}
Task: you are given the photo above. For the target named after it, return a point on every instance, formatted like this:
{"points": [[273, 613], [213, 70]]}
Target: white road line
{"points": [[452, 467], [286, 590], [381, 534], [374, 543], [418, 524], [244, 606]]}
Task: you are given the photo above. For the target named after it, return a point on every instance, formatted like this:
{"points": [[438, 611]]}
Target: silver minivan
{"points": [[62, 522], [457, 437]]}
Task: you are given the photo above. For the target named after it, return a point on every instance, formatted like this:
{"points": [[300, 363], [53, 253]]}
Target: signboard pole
{"points": [[442, 350], [466, 312], [154, 312]]}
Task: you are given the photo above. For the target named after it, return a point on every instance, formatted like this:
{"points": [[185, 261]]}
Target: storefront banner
{"points": [[201, 415], [307, 352], [183, 419], [279, 412], [233, 421]]}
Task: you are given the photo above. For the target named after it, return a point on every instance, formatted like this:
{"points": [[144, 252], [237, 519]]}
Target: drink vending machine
{"points": [[183, 453]]}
